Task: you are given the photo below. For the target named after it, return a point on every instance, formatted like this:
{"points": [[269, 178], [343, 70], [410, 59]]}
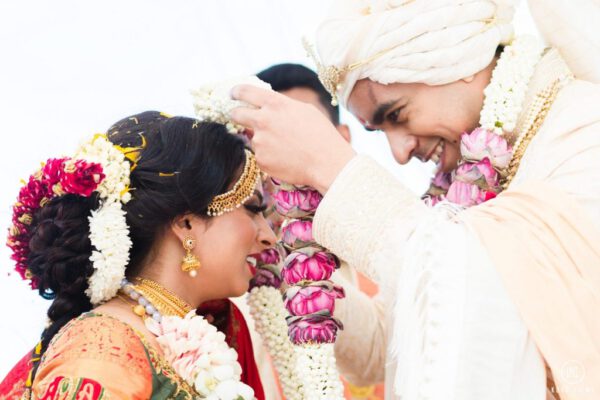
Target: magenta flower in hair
{"points": [[57, 177], [81, 177]]}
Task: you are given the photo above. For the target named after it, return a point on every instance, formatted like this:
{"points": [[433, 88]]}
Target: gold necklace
{"points": [[166, 302], [544, 100]]}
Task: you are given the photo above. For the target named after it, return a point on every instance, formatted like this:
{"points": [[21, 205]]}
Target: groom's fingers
{"points": [[245, 116], [253, 95]]}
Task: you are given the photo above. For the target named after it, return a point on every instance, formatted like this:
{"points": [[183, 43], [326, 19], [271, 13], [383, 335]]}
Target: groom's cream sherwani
{"points": [[477, 302]]}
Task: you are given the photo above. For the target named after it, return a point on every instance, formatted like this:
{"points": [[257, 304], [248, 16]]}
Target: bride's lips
{"points": [[251, 263]]}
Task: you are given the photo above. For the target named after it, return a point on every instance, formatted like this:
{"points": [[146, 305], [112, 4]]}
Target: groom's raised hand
{"points": [[293, 141]]}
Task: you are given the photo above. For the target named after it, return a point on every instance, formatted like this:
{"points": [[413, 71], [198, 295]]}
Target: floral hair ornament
{"points": [[99, 167], [241, 191], [56, 177]]}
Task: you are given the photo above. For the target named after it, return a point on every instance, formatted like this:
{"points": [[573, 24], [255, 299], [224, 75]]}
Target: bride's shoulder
{"points": [[99, 352], [98, 336]]}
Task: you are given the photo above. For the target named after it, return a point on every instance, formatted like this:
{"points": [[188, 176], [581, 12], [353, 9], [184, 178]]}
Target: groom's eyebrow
{"points": [[382, 109]]}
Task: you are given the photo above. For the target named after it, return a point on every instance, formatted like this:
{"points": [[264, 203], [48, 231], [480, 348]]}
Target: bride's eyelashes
{"points": [[255, 209]]}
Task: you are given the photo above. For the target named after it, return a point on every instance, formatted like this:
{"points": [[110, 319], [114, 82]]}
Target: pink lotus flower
{"points": [[297, 203], [268, 256], [265, 276], [481, 173], [308, 264], [297, 233], [482, 143], [81, 178], [312, 299], [316, 328], [441, 180], [467, 194]]}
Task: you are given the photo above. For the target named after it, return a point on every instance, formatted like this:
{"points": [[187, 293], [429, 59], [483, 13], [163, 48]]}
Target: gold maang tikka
{"points": [[241, 192]]}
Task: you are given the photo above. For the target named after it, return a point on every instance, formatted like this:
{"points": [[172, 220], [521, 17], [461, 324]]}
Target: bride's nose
{"points": [[266, 236]]}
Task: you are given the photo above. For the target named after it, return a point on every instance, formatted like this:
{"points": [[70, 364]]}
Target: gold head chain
{"points": [[241, 192]]}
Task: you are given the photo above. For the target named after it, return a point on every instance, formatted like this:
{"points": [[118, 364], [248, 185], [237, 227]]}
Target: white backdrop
{"points": [[69, 68]]}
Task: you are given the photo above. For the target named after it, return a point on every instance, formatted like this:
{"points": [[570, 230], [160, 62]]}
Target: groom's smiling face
{"points": [[421, 121]]}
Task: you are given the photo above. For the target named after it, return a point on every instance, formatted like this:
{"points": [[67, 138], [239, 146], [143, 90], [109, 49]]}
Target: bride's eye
{"points": [[256, 209]]}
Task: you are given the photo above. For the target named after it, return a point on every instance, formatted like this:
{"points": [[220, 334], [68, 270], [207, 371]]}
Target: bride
{"points": [[128, 237]]}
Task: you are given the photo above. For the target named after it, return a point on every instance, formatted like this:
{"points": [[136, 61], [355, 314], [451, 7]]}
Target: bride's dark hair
{"points": [[183, 165]]}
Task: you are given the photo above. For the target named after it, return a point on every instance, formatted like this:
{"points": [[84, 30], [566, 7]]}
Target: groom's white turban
{"points": [[428, 41]]}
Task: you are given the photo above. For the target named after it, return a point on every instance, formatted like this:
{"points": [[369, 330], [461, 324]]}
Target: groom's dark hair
{"points": [[288, 76]]}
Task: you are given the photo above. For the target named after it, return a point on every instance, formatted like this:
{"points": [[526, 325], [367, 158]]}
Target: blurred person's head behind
{"points": [[301, 83]]}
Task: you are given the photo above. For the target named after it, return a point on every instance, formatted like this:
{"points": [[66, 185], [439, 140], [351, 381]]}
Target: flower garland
{"points": [[213, 103], [196, 350], [311, 297], [269, 314], [109, 233], [486, 151]]}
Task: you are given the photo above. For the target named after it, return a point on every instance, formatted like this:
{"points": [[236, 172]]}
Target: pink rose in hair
{"points": [[297, 203], [467, 194], [81, 178], [481, 173], [53, 170], [308, 264], [316, 328], [312, 299], [482, 143]]}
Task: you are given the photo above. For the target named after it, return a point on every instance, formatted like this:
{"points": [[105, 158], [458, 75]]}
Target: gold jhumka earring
{"points": [[190, 262]]}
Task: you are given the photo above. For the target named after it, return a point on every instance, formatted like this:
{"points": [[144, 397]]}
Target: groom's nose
{"points": [[402, 144]]}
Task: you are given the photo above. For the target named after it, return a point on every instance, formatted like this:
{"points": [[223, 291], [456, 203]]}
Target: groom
{"points": [[481, 299]]}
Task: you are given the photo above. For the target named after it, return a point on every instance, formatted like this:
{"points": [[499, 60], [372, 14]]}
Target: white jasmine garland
{"points": [[109, 233], [505, 94], [316, 367], [199, 354], [267, 310], [213, 103]]}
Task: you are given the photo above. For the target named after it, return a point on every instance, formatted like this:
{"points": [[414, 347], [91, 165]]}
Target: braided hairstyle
{"points": [[182, 166]]}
